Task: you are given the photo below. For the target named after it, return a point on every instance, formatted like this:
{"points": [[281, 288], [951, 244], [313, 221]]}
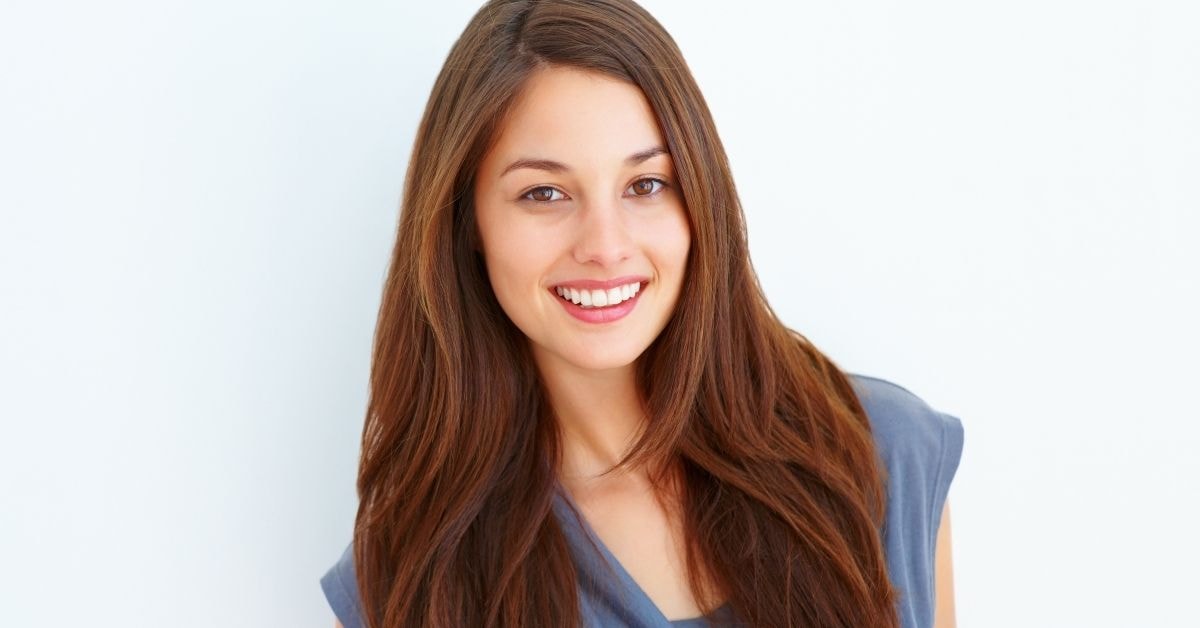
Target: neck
{"points": [[599, 413]]}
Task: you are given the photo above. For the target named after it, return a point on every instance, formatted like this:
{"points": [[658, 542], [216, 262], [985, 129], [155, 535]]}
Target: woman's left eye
{"points": [[645, 187], [542, 194]]}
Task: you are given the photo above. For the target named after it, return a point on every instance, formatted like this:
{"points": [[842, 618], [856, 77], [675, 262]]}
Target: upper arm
{"points": [[337, 624], [943, 614]]}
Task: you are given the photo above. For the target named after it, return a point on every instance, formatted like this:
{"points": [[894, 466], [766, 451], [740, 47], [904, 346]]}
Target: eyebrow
{"points": [[550, 165]]}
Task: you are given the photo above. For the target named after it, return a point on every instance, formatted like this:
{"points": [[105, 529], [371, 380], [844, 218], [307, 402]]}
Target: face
{"points": [[577, 202]]}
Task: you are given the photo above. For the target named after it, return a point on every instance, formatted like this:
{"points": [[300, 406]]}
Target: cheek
{"points": [[685, 241], [510, 253], [674, 238]]}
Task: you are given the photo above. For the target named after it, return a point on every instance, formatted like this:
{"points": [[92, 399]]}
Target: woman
{"points": [[583, 410]]}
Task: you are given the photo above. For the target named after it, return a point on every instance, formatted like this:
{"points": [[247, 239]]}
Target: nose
{"points": [[604, 237]]}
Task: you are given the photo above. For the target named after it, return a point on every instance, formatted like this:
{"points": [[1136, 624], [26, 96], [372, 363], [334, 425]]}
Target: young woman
{"points": [[583, 411]]}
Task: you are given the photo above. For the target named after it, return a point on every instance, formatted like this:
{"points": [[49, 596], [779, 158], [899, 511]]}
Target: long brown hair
{"points": [[783, 497]]}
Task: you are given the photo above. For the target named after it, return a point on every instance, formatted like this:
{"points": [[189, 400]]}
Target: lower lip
{"points": [[606, 314]]}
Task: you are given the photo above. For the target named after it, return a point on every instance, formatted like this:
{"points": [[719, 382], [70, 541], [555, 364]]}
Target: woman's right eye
{"points": [[542, 194]]}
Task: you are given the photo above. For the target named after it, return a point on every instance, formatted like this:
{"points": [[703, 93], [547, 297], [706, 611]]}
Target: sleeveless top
{"points": [[920, 449]]}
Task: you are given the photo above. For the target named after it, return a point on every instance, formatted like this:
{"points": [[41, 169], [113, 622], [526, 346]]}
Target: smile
{"points": [[599, 306], [599, 298]]}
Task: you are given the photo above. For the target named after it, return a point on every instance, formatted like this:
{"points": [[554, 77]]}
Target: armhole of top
{"points": [[341, 590], [951, 456]]}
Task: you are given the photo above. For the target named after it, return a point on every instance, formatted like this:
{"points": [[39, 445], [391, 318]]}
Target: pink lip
{"points": [[605, 314], [593, 284]]}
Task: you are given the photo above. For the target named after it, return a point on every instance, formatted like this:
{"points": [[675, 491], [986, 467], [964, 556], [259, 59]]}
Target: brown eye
{"points": [[543, 194], [645, 187]]}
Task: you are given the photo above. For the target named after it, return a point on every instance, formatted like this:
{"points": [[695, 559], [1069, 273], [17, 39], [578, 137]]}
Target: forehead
{"points": [[578, 117]]}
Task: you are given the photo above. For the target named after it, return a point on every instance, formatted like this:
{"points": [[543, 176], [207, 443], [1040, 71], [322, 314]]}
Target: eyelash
{"points": [[663, 185]]}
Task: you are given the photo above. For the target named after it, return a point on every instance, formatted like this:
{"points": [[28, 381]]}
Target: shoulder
{"points": [[920, 449], [904, 425], [341, 590]]}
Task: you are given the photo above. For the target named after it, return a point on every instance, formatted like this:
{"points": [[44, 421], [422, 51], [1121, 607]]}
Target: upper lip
{"points": [[597, 284]]}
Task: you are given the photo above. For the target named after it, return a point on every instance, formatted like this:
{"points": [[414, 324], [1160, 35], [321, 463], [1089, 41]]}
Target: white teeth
{"points": [[599, 298]]}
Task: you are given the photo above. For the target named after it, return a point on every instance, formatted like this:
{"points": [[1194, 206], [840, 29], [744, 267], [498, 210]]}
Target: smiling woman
{"points": [[583, 411], [609, 223]]}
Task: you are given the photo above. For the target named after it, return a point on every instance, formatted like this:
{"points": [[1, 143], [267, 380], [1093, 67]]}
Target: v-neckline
{"points": [[626, 579]]}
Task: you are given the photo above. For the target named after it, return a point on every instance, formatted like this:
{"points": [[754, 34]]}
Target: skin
{"points": [[943, 573], [597, 215]]}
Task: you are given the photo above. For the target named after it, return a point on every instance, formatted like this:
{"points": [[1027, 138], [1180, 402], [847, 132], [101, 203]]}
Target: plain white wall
{"points": [[993, 204]]}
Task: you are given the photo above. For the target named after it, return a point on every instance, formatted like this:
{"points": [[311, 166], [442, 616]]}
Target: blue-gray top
{"points": [[920, 448]]}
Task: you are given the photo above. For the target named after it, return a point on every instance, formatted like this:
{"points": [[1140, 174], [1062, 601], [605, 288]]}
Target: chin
{"points": [[606, 365], [605, 361], [600, 359]]}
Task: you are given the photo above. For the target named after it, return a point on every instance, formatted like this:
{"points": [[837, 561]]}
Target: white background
{"points": [[993, 204]]}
